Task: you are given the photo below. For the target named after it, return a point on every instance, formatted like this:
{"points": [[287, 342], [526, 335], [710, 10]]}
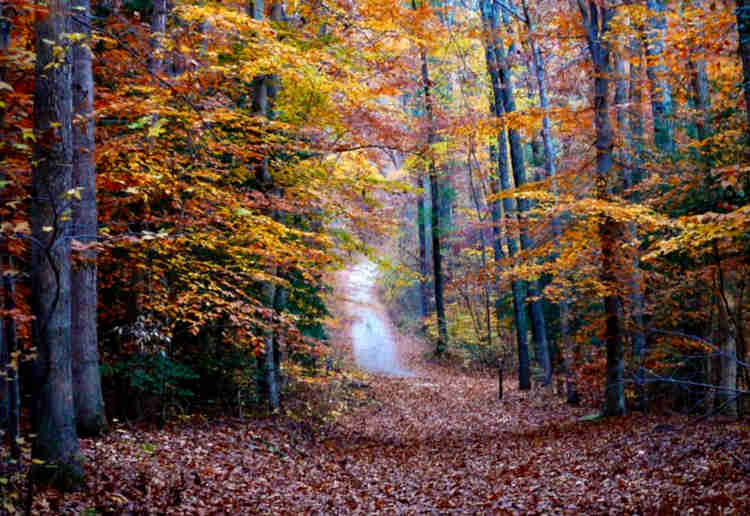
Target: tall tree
{"points": [[538, 325], [501, 181], [87, 389], [265, 90], [158, 30], [56, 443], [699, 80], [435, 227], [550, 168], [630, 124], [422, 235], [596, 19], [661, 91]]}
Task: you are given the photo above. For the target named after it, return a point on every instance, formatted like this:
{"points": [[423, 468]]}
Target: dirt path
{"points": [[437, 442], [373, 344]]}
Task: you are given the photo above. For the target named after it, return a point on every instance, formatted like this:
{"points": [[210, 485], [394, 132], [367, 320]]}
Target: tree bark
{"points": [[499, 183], [437, 265], [609, 230], [265, 90], [87, 388], [158, 30], [538, 325], [634, 173], [483, 245], [637, 336], [54, 416], [5, 27], [423, 269], [727, 399], [661, 93], [701, 98], [550, 168]]}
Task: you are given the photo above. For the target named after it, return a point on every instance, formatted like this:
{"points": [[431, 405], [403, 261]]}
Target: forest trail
{"points": [[372, 334], [419, 437]]}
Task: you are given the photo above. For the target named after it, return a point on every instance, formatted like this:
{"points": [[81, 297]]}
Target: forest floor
{"points": [[437, 442]]}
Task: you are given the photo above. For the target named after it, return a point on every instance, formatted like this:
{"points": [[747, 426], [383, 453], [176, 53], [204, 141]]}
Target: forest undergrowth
{"points": [[436, 443]]}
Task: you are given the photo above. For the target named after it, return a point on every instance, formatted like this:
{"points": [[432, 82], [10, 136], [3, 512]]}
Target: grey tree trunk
{"points": [[273, 391], [483, 244], [661, 93], [727, 397], [54, 416], [623, 119], [5, 27], [634, 173], [550, 168], [699, 82], [87, 387], [158, 30], [265, 90], [743, 30], [538, 326], [702, 98], [596, 19], [637, 336], [423, 269], [498, 183], [437, 266]]}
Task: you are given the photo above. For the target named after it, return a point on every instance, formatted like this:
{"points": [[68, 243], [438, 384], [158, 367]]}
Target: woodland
{"points": [[555, 194]]}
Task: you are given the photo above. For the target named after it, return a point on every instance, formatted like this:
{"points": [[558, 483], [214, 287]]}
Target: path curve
{"points": [[373, 343]]}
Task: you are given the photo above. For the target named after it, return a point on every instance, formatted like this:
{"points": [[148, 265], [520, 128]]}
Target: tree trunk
{"points": [[701, 97], [423, 269], [637, 336], [5, 27], [609, 229], [87, 389], [538, 326], [550, 168], [661, 94], [483, 244], [273, 392], [437, 267], [728, 398], [498, 183], [437, 260], [265, 90], [158, 30], [54, 416], [634, 173]]}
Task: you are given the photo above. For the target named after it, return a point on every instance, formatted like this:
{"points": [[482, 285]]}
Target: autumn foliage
{"points": [[554, 188]]}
